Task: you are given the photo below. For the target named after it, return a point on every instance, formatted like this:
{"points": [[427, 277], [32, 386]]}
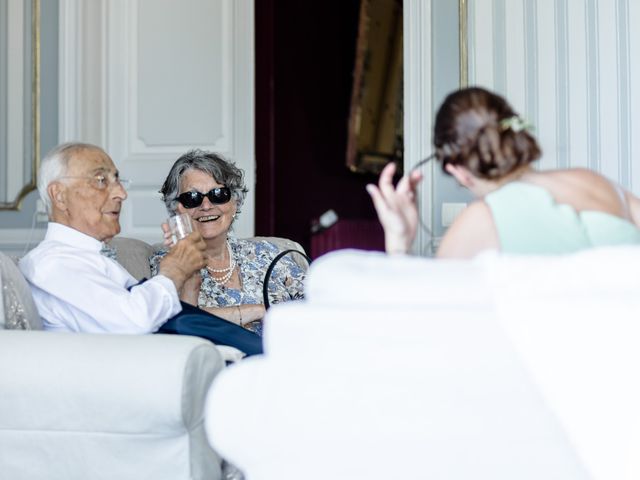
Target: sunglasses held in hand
{"points": [[194, 199], [427, 231], [422, 163]]}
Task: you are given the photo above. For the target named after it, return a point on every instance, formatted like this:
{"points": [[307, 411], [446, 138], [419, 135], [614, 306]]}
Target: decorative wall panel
{"points": [[418, 103], [19, 104], [566, 66]]}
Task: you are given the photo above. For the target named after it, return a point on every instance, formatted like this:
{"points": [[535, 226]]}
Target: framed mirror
{"points": [[375, 134], [19, 100]]}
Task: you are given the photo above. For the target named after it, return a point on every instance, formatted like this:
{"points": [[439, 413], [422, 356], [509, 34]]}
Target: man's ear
{"points": [[461, 174], [57, 194]]}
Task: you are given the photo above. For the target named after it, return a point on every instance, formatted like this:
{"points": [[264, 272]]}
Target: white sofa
{"points": [[498, 368], [79, 406]]}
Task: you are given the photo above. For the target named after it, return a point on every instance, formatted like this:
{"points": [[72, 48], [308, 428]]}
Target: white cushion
{"points": [[502, 367], [80, 406], [574, 321]]}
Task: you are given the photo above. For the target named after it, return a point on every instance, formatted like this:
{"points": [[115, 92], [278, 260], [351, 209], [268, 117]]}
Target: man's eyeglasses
{"points": [[194, 199], [102, 182]]}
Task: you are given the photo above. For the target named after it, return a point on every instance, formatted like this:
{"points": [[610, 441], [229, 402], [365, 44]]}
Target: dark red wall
{"points": [[304, 65]]}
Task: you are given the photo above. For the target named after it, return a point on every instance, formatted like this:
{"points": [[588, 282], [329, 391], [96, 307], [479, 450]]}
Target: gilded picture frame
{"points": [[375, 127]]}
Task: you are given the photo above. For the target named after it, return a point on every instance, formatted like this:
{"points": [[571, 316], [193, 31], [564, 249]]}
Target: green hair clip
{"points": [[515, 123]]}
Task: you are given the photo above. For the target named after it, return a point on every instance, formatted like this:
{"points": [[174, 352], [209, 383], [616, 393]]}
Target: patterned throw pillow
{"points": [[18, 310]]}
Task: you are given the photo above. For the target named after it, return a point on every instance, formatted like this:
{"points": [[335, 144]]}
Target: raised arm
{"points": [[397, 209]]}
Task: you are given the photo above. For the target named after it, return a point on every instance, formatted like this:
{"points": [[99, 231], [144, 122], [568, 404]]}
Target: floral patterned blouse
{"points": [[253, 258]]}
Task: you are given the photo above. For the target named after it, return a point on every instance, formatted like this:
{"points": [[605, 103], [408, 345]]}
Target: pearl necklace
{"points": [[228, 271]]}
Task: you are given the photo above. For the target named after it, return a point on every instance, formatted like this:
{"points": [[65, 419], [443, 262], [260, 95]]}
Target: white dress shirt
{"points": [[76, 289]]}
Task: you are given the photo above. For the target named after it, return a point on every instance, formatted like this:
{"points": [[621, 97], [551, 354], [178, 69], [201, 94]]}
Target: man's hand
{"points": [[397, 209], [184, 259]]}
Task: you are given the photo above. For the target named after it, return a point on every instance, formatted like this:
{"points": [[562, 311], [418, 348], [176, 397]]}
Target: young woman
{"points": [[482, 142]]}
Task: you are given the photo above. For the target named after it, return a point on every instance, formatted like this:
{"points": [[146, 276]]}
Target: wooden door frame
{"points": [[265, 117]]}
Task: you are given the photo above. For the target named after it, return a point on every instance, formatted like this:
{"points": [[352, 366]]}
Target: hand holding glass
{"points": [[180, 226]]}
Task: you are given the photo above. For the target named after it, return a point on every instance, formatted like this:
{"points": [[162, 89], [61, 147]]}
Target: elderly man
{"points": [[77, 289]]}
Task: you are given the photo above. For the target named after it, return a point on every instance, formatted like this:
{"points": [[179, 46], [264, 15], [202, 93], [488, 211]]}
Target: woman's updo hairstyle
{"points": [[480, 131]]}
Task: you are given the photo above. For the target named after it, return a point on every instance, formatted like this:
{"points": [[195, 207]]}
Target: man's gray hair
{"points": [[55, 165], [222, 171]]}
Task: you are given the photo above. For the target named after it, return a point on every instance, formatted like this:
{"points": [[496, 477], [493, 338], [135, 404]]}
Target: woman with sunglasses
{"points": [[482, 142], [211, 190]]}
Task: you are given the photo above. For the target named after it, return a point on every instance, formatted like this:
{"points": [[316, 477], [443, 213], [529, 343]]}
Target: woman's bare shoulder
{"points": [[583, 189], [578, 176], [472, 232]]}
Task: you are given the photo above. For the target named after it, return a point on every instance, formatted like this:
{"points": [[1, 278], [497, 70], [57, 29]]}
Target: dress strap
{"points": [[626, 210]]}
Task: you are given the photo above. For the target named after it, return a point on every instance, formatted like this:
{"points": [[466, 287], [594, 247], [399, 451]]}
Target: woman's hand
{"points": [[167, 235], [397, 209], [239, 314], [191, 289], [251, 313]]}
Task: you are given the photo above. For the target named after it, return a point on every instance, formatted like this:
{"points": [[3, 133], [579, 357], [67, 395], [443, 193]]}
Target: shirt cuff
{"points": [[170, 288]]}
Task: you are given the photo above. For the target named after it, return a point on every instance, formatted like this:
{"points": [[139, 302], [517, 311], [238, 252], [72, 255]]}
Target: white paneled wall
{"points": [[149, 80], [14, 86], [568, 67]]}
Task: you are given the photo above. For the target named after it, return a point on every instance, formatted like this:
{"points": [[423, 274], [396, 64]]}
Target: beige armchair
{"points": [[134, 254]]}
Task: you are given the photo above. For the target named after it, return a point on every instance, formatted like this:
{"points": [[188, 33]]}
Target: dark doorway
{"points": [[304, 73]]}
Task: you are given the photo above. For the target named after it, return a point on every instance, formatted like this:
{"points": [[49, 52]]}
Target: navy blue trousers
{"points": [[194, 321]]}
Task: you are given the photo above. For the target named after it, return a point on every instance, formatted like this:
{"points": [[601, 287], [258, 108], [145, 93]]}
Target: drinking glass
{"points": [[180, 226]]}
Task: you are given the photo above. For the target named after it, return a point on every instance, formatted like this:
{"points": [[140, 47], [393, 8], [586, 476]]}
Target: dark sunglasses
{"points": [[217, 196]]}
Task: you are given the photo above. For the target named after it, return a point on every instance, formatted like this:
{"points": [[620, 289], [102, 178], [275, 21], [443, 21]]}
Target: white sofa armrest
{"points": [[126, 406]]}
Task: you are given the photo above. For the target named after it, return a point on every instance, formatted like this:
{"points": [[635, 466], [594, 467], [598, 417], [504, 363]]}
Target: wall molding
{"points": [[418, 108], [243, 142], [80, 85], [69, 83]]}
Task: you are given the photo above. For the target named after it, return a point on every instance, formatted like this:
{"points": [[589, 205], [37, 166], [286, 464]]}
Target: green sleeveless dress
{"points": [[529, 221]]}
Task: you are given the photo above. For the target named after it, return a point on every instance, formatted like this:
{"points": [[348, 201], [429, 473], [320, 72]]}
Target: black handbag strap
{"points": [[267, 276]]}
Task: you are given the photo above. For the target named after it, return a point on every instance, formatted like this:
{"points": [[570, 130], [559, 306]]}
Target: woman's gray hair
{"points": [[55, 165], [222, 171]]}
